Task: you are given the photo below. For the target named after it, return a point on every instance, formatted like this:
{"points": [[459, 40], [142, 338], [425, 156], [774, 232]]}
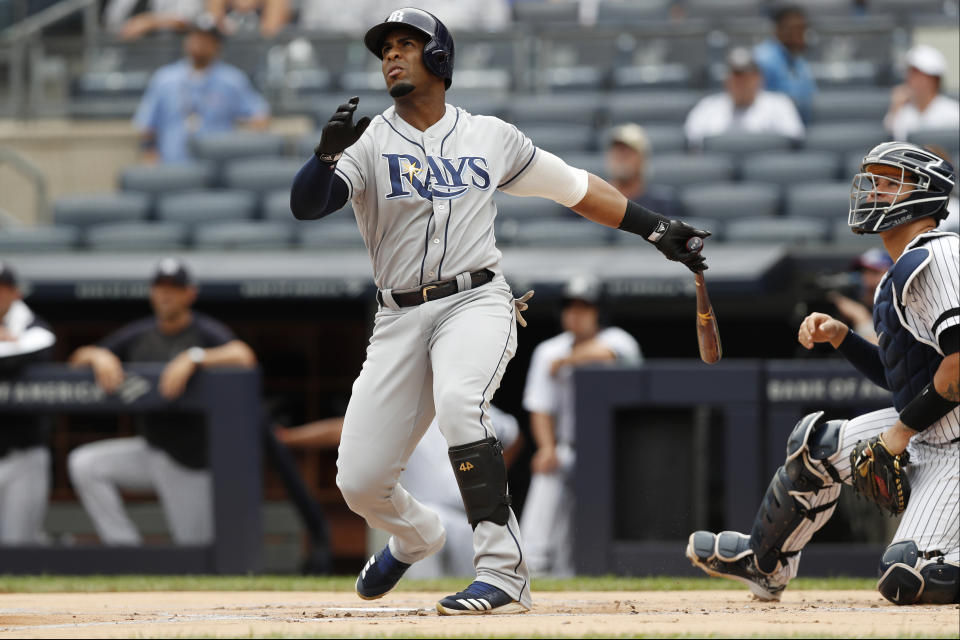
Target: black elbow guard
{"points": [[482, 477]]}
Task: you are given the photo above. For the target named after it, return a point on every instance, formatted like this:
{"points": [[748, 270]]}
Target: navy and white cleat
{"points": [[380, 575], [728, 555], [479, 597]]}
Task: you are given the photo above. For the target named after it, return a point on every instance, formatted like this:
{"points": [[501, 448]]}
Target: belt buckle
{"points": [[425, 289]]}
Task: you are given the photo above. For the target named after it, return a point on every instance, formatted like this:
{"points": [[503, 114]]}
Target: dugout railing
{"points": [[732, 418], [228, 398]]}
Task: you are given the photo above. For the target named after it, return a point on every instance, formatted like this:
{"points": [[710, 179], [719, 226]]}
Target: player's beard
{"points": [[401, 89]]}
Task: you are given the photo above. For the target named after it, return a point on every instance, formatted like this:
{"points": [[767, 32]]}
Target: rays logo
{"points": [[442, 178]]}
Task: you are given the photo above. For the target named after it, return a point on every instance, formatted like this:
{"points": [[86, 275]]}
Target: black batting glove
{"points": [[673, 244], [340, 132]]}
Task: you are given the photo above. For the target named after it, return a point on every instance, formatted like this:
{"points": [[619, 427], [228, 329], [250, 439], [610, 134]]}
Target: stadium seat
{"points": [[594, 163], [648, 77], [844, 236], [261, 174], [482, 103], [341, 233], [519, 208], [851, 164], [845, 137], [537, 13], [625, 12], [845, 74], [862, 105], [559, 233], [137, 236], [777, 230], [561, 108], [651, 106], [161, 179], [949, 139], [790, 168], [722, 9], [88, 209], [666, 138], [207, 206], [38, 239], [680, 170], [221, 147], [830, 200], [276, 206], [907, 8], [741, 143], [242, 235], [730, 200], [571, 137]]}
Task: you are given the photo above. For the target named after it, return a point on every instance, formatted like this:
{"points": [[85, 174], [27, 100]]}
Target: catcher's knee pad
{"points": [[909, 576], [806, 485], [482, 477]]}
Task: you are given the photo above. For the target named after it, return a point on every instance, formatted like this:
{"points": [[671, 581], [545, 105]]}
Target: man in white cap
{"points": [[917, 103]]}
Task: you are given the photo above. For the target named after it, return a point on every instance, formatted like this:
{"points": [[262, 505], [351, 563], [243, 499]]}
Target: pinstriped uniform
{"points": [[423, 201]]}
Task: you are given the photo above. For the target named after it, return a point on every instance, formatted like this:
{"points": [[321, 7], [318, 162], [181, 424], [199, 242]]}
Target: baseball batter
{"points": [[900, 194], [421, 178]]}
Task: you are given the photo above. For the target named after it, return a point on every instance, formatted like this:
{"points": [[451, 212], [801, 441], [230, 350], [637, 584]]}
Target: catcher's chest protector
{"points": [[909, 364]]}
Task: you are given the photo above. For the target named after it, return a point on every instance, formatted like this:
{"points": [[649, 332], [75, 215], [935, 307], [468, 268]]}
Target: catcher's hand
{"points": [[340, 132], [879, 475]]}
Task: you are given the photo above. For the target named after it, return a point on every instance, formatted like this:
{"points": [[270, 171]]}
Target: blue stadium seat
{"points": [[777, 230], [261, 174], [561, 233], [161, 179], [680, 170], [558, 140], [742, 143], [790, 168], [666, 138], [949, 139], [276, 206], [653, 106], [242, 235], [207, 206], [861, 105], [221, 147], [38, 239], [137, 236], [84, 210], [723, 9], [847, 137], [651, 77], [842, 235], [538, 13], [339, 233], [730, 200], [626, 12], [559, 108], [518, 208], [830, 200]]}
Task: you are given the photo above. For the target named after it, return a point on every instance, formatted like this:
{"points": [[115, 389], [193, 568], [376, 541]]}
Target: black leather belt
{"points": [[436, 290]]}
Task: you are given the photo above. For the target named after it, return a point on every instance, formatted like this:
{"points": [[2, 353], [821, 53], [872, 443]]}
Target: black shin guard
{"points": [[482, 477]]}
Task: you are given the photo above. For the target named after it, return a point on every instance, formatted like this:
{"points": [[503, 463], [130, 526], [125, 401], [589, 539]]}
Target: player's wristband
{"points": [[327, 158], [643, 222], [926, 409]]}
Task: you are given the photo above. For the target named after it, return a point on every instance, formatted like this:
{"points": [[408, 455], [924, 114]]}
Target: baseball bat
{"points": [[708, 335]]}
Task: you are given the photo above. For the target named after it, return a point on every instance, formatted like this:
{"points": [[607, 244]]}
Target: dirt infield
{"points": [[564, 614]]}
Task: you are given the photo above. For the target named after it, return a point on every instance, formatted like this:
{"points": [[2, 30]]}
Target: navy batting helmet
{"points": [[922, 176], [437, 53]]}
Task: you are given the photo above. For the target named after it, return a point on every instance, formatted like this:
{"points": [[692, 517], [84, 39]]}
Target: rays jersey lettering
{"points": [[438, 177]]}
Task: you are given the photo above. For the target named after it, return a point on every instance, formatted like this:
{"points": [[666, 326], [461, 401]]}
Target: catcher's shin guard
{"points": [[909, 576], [802, 495], [482, 477]]}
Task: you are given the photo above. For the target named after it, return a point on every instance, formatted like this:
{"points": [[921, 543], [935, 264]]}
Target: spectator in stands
{"points": [[628, 154], [780, 59], [24, 456], [870, 268], [196, 96], [160, 15], [170, 454], [743, 107], [547, 519], [264, 17], [917, 103]]}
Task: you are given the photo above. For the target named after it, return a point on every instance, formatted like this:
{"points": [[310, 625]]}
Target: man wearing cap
{"points": [[196, 96], [917, 103], [24, 456], [170, 454], [627, 158], [780, 59], [546, 523], [871, 266], [744, 107]]}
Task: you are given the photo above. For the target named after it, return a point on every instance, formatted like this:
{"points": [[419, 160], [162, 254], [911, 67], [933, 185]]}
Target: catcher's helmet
{"points": [[925, 176], [437, 52]]}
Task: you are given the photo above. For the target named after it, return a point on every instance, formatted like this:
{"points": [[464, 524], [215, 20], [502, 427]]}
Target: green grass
{"points": [[80, 584]]}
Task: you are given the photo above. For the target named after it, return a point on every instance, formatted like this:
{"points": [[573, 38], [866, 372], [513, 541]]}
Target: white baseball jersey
{"points": [[546, 394], [430, 192]]}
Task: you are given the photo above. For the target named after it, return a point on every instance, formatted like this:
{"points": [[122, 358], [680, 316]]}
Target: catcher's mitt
{"points": [[879, 475]]}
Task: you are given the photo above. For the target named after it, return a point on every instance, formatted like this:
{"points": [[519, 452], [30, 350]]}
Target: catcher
{"points": [[905, 458]]}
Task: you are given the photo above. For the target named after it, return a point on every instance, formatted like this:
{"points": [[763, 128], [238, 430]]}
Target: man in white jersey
{"points": [[421, 178], [900, 194], [547, 522]]}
